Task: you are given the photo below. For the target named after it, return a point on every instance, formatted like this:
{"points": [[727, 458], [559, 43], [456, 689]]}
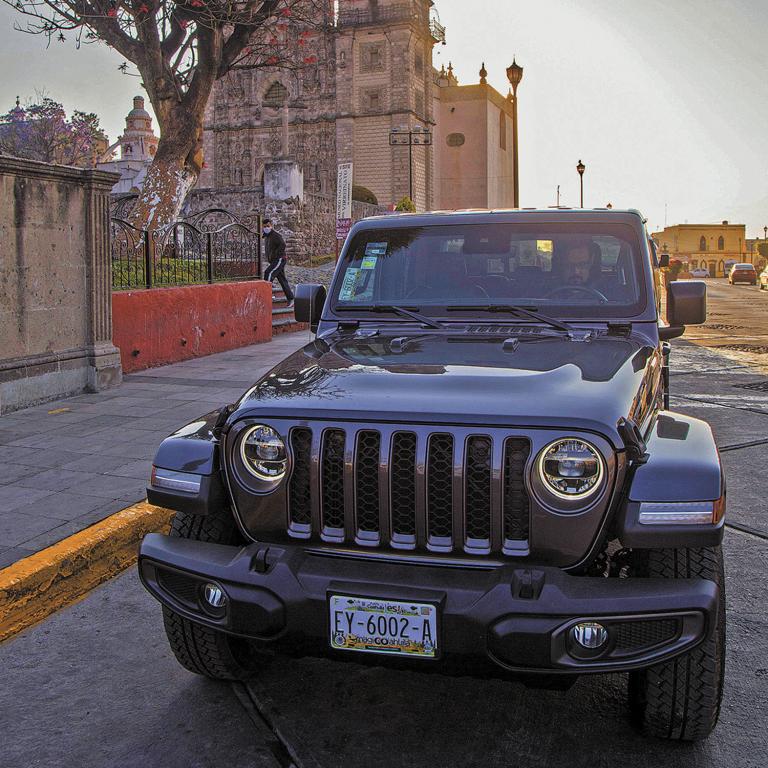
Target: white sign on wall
{"points": [[343, 200]]}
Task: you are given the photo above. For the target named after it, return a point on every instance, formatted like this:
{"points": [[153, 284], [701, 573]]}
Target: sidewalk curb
{"points": [[37, 586]]}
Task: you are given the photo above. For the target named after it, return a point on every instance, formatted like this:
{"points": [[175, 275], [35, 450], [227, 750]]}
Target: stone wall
{"points": [[308, 226], [55, 283]]}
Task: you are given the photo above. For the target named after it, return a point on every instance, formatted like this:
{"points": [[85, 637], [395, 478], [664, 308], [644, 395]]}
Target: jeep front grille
{"points": [[398, 488]]}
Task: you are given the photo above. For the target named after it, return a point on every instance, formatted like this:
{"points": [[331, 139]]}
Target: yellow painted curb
{"points": [[41, 584]]}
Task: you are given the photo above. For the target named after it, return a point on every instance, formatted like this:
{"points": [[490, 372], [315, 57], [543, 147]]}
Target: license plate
{"points": [[373, 625]]}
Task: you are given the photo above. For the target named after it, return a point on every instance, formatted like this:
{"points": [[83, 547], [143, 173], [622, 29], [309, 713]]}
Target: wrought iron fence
{"points": [[200, 249]]}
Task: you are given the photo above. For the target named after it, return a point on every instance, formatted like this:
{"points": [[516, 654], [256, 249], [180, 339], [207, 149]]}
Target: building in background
{"points": [[705, 245], [474, 163], [366, 69], [137, 147]]}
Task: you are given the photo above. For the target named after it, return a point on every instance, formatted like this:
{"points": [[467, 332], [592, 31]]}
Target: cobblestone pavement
{"points": [[300, 274], [69, 463]]}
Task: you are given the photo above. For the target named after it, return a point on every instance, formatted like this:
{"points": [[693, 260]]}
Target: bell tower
{"points": [[384, 81]]}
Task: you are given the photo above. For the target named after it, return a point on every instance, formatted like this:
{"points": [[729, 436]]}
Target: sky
{"points": [[665, 101]]}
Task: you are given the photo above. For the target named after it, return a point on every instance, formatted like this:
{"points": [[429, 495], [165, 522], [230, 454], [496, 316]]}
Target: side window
{"points": [[702, 243], [720, 243]]}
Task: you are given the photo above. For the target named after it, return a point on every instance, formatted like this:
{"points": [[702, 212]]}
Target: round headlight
{"points": [[571, 469], [263, 453]]}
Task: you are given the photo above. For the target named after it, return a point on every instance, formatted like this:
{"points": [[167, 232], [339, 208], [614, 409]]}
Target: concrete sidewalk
{"points": [[67, 464]]}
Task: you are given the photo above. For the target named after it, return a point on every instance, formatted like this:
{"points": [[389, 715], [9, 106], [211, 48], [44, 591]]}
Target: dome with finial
{"points": [[138, 109], [17, 113]]}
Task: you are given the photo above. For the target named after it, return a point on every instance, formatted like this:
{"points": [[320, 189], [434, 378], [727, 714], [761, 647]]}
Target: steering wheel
{"points": [[578, 289]]}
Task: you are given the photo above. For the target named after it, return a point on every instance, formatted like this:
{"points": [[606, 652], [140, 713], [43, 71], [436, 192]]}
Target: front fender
{"points": [[683, 466], [192, 451]]}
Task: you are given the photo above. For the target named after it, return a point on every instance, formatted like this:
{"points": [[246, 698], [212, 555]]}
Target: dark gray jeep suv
{"points": [[472, 466]]}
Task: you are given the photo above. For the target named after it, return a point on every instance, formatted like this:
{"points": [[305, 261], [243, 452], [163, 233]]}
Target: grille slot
{"points": [[440, 489], [367, 481], [299, 489], [183, 588], [517, 504], [477, 504], [634, 635], [403, 488], [332, 479]]}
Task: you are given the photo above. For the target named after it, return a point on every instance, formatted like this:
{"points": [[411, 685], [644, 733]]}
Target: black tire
{"points": [[200, 649], [680, 699]]}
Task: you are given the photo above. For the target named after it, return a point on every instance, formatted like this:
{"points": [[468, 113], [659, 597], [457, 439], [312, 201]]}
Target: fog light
{"points": [[590, 634], [214, 595]]}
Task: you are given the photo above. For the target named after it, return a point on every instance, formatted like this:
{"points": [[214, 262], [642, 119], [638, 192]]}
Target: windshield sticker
{"points": [[348, 286], [375, 249], [369, 262]]}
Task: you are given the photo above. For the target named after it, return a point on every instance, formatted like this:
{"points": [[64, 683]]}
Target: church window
{"points": [[276, 95], [372, 57], [702, 243], [372, 100], [128, 148], [502, 130], [418, 63], [720, 243]]}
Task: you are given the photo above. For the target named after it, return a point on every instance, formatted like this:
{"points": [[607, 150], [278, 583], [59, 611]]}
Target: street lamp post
{"points": [[417, 136], [515, 75], [581, 168]]}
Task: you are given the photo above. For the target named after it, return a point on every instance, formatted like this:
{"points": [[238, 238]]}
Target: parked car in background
{"points": [[743, 273], [763, 279], [699, 272]]}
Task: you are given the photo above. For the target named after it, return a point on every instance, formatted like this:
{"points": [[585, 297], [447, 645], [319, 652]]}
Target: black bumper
{"points": [[518, 618]]}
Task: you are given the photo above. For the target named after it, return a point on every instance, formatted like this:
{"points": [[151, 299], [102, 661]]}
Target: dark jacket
{"points": [[274, 246]]}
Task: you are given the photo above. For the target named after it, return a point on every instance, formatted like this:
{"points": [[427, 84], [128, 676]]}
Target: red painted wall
{"points": [[164, 325]]}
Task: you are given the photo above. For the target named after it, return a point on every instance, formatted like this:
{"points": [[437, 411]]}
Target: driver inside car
{"points": [[580, 265]]}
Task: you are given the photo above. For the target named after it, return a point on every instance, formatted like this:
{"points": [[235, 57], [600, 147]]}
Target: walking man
{"points": [[274, 251]]}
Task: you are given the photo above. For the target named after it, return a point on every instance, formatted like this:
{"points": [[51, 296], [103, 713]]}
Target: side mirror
{"points": [[686, 305], [663, 260], [308, 304]]}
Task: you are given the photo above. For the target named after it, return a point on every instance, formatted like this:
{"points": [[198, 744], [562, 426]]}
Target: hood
{"points": [[547, 381]]}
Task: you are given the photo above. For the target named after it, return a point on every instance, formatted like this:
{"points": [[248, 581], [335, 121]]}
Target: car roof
{"points": [[503, 215]]}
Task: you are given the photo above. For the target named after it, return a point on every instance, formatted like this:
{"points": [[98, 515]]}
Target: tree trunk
{"points": [[173, 172]]}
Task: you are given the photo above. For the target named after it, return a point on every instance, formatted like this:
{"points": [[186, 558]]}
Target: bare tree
{"points": [[180, 48]]}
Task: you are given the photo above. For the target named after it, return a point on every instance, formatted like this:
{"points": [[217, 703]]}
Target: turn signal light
{"points": [[681, 512]]}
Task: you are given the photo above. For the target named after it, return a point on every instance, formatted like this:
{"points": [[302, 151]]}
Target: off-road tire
{"points": [[680, 699], [200, 649]]}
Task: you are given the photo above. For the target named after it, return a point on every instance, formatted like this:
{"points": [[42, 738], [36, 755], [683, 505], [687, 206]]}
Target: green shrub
{"points": [[406, 205]]}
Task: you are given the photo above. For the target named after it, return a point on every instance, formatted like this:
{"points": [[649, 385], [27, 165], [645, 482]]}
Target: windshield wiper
{"points": [[402, 311], [512, 309]]}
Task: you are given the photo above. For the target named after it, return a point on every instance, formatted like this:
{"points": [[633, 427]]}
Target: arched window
{"points": [[276, 95], [720, 243], [502, 130], [702, 243]]}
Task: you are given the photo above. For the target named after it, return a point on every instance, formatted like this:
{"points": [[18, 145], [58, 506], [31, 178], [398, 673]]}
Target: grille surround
{"points": [[408, 489]]}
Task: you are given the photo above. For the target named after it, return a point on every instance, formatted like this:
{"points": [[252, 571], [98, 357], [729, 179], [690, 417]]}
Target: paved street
{"points": [[96, 684]]}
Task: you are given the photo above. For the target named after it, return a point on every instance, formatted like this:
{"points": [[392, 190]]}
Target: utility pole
{"points": [[418, 136], [558, 195]]}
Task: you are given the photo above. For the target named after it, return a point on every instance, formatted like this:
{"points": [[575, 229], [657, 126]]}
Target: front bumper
{"points": [[517, 618]]}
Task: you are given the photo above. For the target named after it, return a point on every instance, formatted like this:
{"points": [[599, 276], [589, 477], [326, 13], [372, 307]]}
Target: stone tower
{"points": [[384, 80], [138, 141]]}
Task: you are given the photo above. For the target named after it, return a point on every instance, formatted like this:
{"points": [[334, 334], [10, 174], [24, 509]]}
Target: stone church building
{"points": [[365, 68]]}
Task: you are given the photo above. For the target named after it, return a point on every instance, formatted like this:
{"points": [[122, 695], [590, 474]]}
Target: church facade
{"points": [[364, 69]]}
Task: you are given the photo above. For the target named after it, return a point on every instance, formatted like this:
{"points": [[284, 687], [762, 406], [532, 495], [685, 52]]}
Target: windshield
{"points": [[572, 270]]}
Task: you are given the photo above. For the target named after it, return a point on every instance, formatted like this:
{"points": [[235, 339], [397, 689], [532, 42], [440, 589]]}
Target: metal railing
{"points": [[200, 249]]}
